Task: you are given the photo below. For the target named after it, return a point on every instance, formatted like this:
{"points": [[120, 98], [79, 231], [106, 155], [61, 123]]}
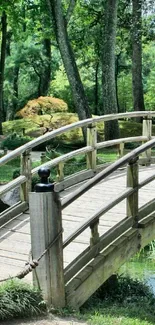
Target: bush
{"points": [[18, 299], [14, 141], [42, 106]]}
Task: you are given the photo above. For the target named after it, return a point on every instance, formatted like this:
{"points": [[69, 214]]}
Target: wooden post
{"points": [[132, 181], [121, 150], [147, 131], [5, 150], [26, 170], [46, 225], [94, 239], [43, 157], [60, 171], [91, 141]]}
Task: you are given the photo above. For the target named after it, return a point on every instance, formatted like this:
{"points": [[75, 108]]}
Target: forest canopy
{"points": [[97, 56]]}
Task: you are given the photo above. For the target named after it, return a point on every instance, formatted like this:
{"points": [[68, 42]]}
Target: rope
{"points": [[29, 266]]}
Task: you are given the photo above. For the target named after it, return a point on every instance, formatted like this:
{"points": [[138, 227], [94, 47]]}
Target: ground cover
{"points": [[120, 301]]}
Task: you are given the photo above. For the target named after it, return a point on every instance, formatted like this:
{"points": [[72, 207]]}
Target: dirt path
{"points": [[46, 321]]}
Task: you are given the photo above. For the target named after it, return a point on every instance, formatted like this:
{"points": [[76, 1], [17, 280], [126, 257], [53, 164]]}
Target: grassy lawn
{"points": [[124, 302]]}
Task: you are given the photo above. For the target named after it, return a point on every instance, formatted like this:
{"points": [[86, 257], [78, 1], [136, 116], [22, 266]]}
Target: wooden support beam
{"points": [[46, 225], [26, 166], [94, 239], [147, 131], [81, 287], [60, 171], [132, 182], [91, 141]]}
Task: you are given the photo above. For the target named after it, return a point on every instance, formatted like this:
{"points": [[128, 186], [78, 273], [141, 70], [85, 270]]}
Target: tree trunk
{"points": [[15, 92], [80, 100], [138, 97], [108, 67], [46, 75], [2, 64], [96, 88]]}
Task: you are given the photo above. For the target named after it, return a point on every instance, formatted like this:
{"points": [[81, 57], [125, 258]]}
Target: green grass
{"points": [[123, 302], [18, 299]]}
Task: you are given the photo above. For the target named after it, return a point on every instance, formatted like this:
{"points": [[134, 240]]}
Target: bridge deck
{"points": [[15, 236]]}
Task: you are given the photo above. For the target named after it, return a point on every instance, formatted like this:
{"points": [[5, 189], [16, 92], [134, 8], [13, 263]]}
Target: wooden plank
{"points": [[67, 156], [89, 253], [12, 184], [70, 198], [74, 179], [103, 266], [13, 211]]}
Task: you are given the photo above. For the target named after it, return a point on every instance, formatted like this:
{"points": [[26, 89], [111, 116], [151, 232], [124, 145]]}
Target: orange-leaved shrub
{"points": [[42, 106]]}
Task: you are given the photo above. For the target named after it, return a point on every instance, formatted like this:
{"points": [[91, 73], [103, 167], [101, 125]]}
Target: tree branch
{"points": [[70, 10]]}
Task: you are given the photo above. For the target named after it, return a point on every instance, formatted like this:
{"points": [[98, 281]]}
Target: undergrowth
{"points": [[18, 299]]}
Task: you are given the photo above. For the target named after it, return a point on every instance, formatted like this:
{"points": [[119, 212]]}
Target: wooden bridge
{"points": [[88, 224]]}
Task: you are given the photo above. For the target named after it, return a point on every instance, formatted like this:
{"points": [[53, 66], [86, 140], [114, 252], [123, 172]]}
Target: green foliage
{"points": [[121, 301], [18, 299], [14, 141]]}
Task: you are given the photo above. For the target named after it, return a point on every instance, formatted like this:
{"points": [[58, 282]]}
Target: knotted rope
{"points": [[29, 266]]}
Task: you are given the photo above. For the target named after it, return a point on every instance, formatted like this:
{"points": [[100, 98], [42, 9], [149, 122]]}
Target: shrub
{"points": [[18, 299], [42, 106], [14, 141]]}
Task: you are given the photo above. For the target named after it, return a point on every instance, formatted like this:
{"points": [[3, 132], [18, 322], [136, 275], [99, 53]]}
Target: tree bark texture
{"points": [[46, 75], [108, 67], [67, 54], [2, 64], [137, 83]]}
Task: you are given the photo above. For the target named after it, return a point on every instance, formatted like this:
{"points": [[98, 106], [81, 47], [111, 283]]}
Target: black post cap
{"points": [[44, 185]]}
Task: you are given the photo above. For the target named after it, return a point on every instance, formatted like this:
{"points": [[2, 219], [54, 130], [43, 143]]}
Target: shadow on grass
{"points": [[121, 301]]}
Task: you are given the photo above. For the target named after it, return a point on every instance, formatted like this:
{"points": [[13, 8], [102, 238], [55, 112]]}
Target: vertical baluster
{"points": [[121, 150], [94, 239], [26, 171], [91, 141], [132, 181], [147, 131], [60, 171]]}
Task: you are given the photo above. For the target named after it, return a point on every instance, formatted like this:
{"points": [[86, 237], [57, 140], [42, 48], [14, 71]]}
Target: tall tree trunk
{"points": [[46, 75], [2, 64], [138, 96], [96, 88], [108, 67], [67, 54], [15, 92]]}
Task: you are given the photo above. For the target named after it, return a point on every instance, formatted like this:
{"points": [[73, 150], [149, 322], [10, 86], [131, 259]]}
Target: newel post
{"points": [[91, 141], [46, 227], [132, 181]]}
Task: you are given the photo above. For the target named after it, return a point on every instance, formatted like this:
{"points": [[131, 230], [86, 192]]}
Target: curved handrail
{"points": [[106, 172], [50, 135]]}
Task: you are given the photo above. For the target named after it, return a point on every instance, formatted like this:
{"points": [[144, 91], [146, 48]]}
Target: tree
{"points": [[138, 98], [68, 58], [108, 67], [2, 64]]}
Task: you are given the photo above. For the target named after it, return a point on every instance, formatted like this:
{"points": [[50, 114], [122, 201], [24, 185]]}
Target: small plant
{"points": [[18, 299]]}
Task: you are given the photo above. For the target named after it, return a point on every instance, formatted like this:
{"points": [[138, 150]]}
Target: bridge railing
{"points": [[46, 224], [90, 150], [97, 242]]}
